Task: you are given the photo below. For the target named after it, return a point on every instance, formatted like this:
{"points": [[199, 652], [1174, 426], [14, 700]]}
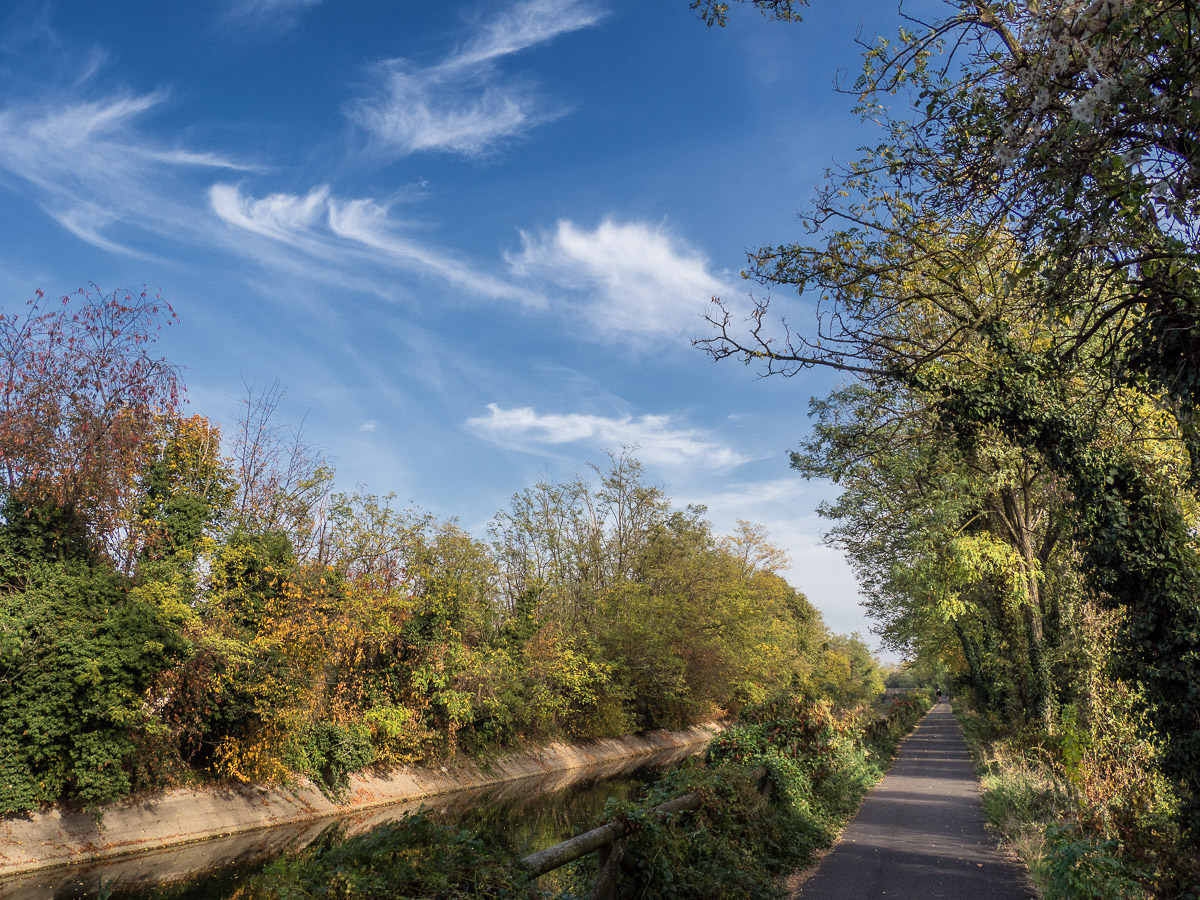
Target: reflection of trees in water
{"points": [[534, 822], [525, 815]]}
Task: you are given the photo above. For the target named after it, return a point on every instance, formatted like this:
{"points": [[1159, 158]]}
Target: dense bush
{"points": [[226, 653], [742, 839], [327, 753], [77, 652], [1085, 807], [739, 843]]}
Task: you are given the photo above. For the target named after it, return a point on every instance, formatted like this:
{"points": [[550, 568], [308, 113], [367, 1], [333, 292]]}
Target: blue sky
{"points": [[473, 240]]}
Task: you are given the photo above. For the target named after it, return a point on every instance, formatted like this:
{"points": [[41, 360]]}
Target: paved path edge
{"points": [[921, 832], [797, 878]]}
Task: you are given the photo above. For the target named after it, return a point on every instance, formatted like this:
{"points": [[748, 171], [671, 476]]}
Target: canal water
{"points": [[531, 814]]}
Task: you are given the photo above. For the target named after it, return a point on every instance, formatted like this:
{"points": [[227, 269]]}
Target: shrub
{"points": [[1083, 865], [737, 844], [76, 653], [328, 752], [741, 841]]}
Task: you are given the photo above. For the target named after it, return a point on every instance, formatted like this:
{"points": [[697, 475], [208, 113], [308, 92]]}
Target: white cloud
{"points": [[278, 14], [659, 440], [93, 166], [279, 216], [367, 223], [463, 104], [322, 225], [631, 279], [525, 25], [369, 426], [94, 170], [422, 113]]}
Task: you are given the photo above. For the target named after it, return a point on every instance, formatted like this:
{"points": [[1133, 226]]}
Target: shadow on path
{"points": [[921, 832]]}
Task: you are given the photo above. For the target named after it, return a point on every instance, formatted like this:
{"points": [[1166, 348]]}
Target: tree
{"points": [[1061, 123], [80, 393], [1061, 135], [1070, 124], [284, 481], [946, 542], [186, 490], [563, 544], [750, 545], [714, 12], [77, 650]]}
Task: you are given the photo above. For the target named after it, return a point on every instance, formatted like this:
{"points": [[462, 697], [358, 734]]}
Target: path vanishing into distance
{"points": [[920, 833]]}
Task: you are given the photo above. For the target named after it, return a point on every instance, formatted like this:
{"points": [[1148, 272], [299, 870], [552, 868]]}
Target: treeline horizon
{"points": [[175, 608]]}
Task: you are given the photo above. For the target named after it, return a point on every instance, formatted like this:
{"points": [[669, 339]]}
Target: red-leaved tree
{"points": [[79, 393]]}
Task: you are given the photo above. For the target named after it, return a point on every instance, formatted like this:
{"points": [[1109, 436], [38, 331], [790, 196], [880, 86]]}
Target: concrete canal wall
{"points": [[59, 837]]}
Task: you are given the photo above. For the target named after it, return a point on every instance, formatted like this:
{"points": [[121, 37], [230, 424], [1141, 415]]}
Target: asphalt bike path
{"points": [[920, 833]]}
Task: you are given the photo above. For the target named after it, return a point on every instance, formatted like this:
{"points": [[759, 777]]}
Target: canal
{"points": [[530, 814]]}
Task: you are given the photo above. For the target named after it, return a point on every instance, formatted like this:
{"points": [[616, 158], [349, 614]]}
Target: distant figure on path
{"points": [[939, 700]]}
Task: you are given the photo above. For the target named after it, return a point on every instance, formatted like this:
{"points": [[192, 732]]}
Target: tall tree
{"points": [[1065, 131], [284, 481], [79, 394]]}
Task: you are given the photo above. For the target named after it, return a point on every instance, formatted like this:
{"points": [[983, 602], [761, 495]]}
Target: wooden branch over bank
{"points": [[590, 841]]}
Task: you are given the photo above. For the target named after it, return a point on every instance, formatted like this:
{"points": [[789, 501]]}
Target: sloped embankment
{"points": [[58, 836]]}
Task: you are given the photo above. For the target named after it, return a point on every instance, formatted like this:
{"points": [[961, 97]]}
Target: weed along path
{"points": [[920, 833]]}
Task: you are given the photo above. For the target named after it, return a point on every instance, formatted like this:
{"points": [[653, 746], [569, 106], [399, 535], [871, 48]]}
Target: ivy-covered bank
{"points": [[741, 842]]}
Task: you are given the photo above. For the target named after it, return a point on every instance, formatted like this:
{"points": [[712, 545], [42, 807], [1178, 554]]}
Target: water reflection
{"points": [[531, 813]]}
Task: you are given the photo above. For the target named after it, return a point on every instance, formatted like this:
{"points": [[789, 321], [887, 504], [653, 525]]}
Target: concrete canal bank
{"points": [[60, 837]]}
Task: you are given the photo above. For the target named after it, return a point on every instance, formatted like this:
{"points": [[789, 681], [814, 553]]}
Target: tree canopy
{"points": [[1009, 279]]}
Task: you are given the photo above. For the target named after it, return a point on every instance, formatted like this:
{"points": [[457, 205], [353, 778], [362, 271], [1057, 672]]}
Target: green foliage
{"points": [[77, 652], [846, 672], [1010, 276], [714, 12], [743, 839], [234, 619], [31, 534], [327, 753], [1086, 808], [186, 490], [815, 760], [738, 844], [1136, 543], [1082, 865], [411, 857]]}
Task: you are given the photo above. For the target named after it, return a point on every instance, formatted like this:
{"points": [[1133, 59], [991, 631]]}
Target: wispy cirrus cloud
{"points": [[464, 104], [94, 170], [322, 225], [284, 217], [280, 15], [660, 440], [95, 166], [630, 278]]}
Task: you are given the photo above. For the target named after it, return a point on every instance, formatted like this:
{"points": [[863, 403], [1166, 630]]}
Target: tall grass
{"points": [[1085, 809]]}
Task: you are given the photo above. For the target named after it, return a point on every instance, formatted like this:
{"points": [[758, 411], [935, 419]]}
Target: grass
{"points": [[1057, 830]]}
